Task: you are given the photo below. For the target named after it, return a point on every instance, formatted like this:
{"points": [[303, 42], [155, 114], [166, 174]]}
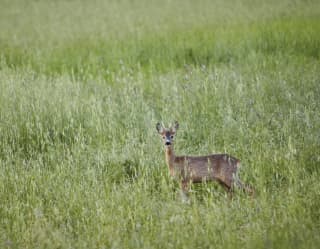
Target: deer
{"points": [[221, 168]]}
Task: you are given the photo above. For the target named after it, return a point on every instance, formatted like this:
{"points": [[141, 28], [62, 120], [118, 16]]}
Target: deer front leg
{"points": [[184, 191]]}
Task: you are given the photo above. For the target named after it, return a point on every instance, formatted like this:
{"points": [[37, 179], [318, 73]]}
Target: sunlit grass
{"points": [[83, 85]]}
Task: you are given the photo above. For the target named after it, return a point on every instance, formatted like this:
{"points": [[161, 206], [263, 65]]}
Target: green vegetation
{"points": [[82, 85]]}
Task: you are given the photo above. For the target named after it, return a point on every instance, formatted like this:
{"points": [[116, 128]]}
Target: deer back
{"points": [[221, 167]]}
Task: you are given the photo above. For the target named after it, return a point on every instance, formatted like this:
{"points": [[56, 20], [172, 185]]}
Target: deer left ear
{"points": [[159, 128], [175, 126]]}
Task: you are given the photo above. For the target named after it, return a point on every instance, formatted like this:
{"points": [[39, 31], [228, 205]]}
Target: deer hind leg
{"points": [[227, 188], [244, 187]]}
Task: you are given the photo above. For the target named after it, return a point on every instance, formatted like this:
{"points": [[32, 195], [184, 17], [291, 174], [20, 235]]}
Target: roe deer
{"points": [[195, 169]]}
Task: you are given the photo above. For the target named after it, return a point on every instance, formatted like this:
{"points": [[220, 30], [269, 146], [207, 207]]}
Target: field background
{"points": [[82, 85]]}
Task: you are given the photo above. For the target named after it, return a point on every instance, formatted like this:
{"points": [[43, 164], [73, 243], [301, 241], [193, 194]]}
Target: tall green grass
{"points": [[82, 85], [91, 57]]}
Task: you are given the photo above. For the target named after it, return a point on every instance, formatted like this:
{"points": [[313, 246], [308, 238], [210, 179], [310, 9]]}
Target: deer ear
{"points": [[175, 126], [159, 128]]}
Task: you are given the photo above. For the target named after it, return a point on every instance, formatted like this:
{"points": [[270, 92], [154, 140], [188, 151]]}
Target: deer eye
{"points": [[163, 137], [171, 136]]}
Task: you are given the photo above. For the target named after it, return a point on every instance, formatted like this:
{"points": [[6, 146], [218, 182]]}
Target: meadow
{"points": [[83, 84]]}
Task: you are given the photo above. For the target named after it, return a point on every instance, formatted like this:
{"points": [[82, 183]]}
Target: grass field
{"points": [[83, 84]]}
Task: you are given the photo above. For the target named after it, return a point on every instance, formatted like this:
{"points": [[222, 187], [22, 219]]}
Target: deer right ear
{"points": [[159, 128], [175, 126]]}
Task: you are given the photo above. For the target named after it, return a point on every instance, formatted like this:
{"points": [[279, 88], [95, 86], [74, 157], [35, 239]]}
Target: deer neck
{"points": [[170, 159]]}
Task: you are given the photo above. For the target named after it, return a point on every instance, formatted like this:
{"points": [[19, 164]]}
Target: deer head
{"points": [[167, 134]]}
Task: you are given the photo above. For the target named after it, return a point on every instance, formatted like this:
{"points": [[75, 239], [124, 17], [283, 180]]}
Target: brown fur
{"points": [[189, 169]]}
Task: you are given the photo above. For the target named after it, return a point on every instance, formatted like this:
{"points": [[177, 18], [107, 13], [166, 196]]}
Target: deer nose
{"points": [[168, 143]]}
